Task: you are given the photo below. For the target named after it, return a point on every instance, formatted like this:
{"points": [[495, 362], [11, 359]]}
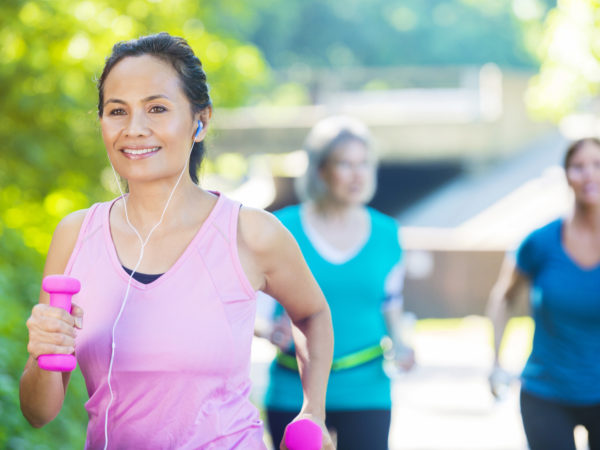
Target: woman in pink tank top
{"points": [[169, 275]]}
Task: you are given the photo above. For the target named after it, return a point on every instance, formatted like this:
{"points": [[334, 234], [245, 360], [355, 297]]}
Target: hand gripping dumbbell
{"points": [[61, 288]]}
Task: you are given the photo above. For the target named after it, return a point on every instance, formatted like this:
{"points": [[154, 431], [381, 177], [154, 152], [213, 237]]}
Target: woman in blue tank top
{"points": [[354, 253], [561, 262]]}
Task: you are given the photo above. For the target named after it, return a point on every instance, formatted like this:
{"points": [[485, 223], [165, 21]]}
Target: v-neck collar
{"points": [[118, 266], [326, 250], [568, 256]]}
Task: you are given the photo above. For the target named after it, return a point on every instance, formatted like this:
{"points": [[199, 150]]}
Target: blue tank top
{"points": [[355, 292]]}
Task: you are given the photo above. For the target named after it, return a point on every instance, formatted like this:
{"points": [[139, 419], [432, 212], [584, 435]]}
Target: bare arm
{"points": [[510, 282], [284, 275], [404, 355], [393, 314], [51, 330]]}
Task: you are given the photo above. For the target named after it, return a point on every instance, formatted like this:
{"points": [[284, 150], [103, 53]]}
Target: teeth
{"points": [[140, 151]]}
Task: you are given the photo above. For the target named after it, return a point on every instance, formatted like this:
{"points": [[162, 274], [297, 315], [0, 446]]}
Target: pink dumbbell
{"points": [[60, 288], [303, 434]]}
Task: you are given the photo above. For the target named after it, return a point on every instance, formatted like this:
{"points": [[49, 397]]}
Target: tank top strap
{"points": [[95, 219], [224, 217], [234, 212], [91, 223], [226, 220]]}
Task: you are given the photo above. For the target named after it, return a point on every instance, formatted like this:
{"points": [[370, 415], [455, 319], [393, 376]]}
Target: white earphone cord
{"points": [[124, 302]]}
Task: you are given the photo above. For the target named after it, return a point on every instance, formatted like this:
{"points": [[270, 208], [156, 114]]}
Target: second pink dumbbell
{"points": [[303, 434]]}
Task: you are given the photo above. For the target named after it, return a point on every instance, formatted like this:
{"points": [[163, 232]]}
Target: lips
{"points": [[139, 152]]}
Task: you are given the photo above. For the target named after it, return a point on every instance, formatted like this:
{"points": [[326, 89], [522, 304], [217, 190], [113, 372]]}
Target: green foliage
{"points": [[53, 158], [333, 33], [570, 55]]}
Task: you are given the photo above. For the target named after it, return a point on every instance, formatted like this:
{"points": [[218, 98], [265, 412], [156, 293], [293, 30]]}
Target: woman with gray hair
{"points": [[354, 253]]}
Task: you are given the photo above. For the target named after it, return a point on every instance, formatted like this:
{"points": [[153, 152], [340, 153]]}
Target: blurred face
{"points": [[147, 123], [583, 174], [349, 173]]}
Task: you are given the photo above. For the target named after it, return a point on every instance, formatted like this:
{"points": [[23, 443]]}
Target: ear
{"points": [[204, 117], [322, 172]]}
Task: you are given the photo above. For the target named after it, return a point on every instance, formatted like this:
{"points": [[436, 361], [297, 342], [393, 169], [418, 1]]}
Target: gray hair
{"points": [[327, 135]]}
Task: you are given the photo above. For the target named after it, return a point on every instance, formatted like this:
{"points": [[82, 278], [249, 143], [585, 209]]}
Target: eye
{"points": [[342, 164], [158, 109], [576, 169], [117, 112]]}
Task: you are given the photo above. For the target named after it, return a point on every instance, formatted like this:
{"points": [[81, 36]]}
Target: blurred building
{"points": [[462, 166]]}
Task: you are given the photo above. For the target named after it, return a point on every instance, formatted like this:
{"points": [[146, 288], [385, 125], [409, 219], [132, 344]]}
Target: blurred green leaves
{"points": [[570, 55], [376, 33], [52, 156]]}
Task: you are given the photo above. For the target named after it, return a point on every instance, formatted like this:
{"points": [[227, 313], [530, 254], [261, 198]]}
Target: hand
{"points": [[327, 443], [281, 334], [52, 330], [404, 358], [499, 380]]}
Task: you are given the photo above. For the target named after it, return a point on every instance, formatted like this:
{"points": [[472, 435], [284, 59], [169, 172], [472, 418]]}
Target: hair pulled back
{"points": [[327, 135]]}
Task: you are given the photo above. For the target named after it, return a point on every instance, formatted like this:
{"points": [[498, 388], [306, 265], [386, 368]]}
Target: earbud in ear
{"points": [[199, 129]]}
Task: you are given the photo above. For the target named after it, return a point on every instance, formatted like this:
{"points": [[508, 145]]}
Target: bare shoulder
{"points": [[63, 241], [260, 230], [68, 228]]}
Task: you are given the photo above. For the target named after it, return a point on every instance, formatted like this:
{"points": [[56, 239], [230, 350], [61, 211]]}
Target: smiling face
{"points": [[348, 173], [147, 121], [583, 174]]}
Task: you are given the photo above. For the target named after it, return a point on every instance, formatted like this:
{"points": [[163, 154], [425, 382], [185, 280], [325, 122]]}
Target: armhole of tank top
{"points": [[82, 231], [391, 225], [235, 256], [400, 249]]}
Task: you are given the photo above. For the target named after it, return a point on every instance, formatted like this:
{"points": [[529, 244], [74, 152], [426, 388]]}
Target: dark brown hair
{"points": [[575, 147]]}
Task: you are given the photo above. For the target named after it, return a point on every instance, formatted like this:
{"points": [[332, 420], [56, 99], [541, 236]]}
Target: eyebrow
{"points": [[147, 99]]}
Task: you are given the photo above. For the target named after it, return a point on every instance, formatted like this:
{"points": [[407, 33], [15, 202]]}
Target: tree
{"points": [[331, 33], [53, 161], [570, 56]]}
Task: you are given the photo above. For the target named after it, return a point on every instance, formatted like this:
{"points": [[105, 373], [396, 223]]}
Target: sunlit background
{"points": [[470, 102]]}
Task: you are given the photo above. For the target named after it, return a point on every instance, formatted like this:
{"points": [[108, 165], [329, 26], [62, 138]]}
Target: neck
{"points": [[332, 210], [587, 216], [146, 202]]}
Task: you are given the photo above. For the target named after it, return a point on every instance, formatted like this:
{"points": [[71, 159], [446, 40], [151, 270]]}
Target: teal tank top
{"points": [[355, 292]]}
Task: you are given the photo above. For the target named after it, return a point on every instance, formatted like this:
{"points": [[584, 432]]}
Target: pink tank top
{"points": [[181, 372]]}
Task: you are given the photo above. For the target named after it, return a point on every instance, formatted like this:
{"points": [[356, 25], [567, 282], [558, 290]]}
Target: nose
{"points": [[361, 169], [589, 171], [136, 125]]}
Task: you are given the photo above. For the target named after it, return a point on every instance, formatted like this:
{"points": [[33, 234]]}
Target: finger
{"points": [[55, 326], [48, 346], [77, 314], [47, 311], [57, 339], [327, 441], [48, 349]]}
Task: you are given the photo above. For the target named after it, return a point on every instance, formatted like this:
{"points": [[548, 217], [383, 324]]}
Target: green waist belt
{"points": [[345, 362]]}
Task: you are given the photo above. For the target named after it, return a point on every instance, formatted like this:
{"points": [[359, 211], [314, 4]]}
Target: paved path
{"points": [[444, 403]]}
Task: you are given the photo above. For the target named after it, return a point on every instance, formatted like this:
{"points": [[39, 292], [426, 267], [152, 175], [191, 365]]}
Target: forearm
{"points": [[313, 338], [498, 313], [41, 393], [392, 315]]}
